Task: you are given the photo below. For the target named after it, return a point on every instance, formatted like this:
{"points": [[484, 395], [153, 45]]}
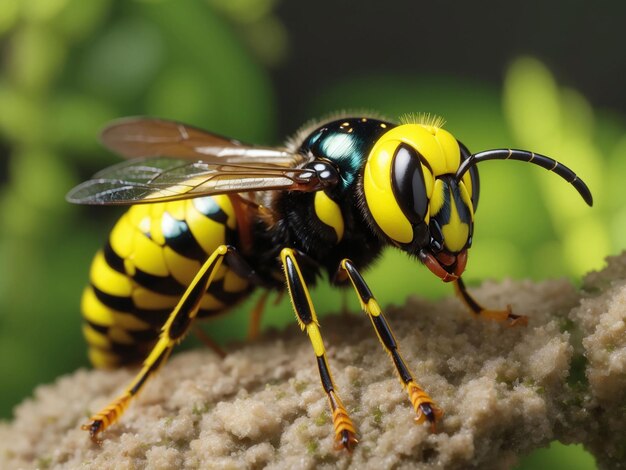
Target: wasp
{"points": [[211, 219]]}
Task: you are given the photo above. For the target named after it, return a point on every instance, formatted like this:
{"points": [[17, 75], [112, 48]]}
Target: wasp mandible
{"points": [[212, 218]]}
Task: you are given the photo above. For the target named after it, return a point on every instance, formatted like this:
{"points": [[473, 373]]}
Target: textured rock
{"points": [[505, 392]]}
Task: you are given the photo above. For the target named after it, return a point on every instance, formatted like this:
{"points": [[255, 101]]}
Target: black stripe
{"points": [[158, 317], [166, 285], [114, 302], [179, 238], [114, 260], [144, 336], [154, 317], [298, 293], [210, 209], [124, 354], [129, 351], [140, 336], [443, 216], [461, 207], [99, 328]]}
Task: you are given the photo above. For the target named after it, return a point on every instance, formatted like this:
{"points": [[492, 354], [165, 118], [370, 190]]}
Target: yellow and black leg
{"points": [[174, 330], [425, 408], [496, 315], [345, 434]]}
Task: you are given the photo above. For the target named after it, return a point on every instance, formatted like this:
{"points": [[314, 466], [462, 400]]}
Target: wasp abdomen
{"points": [[151, 257]]}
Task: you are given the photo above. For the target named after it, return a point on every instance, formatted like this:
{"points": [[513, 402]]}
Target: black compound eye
{"points": [[408, 184]]}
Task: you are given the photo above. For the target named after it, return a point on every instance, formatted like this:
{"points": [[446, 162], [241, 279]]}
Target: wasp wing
{"points": [[149, 137], [180, 161], [160, 179]]}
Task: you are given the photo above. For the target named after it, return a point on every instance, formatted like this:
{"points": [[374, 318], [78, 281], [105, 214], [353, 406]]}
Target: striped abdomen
{"points": [[152, 254]]}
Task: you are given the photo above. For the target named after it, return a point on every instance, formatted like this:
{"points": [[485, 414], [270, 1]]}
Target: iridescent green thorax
{"points": [[346, 142]]}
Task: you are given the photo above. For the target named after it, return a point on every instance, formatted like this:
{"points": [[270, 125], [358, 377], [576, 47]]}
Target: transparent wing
{"points": [[160, 179], [148, 137], [179, 161]]}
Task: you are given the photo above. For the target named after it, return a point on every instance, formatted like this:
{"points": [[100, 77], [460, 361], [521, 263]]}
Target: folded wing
{"points": [[177, 161]]}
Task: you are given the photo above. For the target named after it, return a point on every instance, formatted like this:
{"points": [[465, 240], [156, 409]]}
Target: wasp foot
{"points": [[94, 427], [345, 432], [505, 315], [425, 408]]}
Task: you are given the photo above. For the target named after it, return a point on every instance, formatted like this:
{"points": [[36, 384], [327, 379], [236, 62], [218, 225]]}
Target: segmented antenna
{"points": [[524, 156]]}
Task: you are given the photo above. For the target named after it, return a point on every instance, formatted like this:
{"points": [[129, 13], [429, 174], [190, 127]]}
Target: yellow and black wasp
{"points": [[212, 218]]}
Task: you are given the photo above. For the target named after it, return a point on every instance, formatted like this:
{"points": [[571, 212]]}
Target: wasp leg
{"points": [[345, 433], [241, 267], [481, 312], [255, 316], [208, 342], [174, 330], [424, 407]]}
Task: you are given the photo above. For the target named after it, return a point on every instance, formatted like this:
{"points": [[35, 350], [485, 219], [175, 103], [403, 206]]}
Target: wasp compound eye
{"points": [[408, 184]]}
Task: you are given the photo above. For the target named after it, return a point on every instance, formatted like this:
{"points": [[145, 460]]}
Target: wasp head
{"points": [[413, 198]]}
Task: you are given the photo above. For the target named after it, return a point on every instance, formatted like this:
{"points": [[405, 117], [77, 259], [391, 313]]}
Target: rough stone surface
{"points": [[505, 392]]}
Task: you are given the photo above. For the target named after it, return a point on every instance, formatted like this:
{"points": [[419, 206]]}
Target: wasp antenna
{"points": [[548, 163]]}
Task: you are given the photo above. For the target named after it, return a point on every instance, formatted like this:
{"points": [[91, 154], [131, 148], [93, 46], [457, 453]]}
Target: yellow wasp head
{"points": [[421, 191], [415, 199]]}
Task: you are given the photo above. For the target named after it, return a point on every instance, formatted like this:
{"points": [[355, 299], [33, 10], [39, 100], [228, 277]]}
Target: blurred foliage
{"points": [[69, 66], [559, 457], [560, 122]]}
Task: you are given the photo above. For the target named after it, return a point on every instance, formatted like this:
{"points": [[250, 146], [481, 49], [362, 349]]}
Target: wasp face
{"points": [[414, 199]]}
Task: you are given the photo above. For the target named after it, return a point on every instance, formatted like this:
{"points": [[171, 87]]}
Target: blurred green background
{"points": [[539, 76]]}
